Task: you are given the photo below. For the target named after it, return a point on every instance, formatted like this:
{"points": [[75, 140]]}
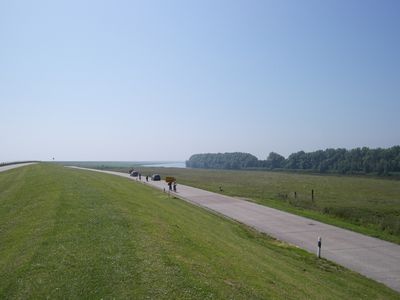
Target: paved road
{"points": [[9, 167], [374, 258]]}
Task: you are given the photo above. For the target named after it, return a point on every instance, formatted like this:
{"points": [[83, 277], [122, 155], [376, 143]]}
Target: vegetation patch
{"points": [[367, 205], [68, 233], [355, 161]]}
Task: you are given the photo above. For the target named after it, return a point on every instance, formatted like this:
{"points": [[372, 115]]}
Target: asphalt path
{"points": [[9, 167], [371, 257]]}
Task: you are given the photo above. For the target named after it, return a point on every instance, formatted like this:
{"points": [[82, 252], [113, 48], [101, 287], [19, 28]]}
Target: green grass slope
{"points": [[75, 234], [367, 205]]}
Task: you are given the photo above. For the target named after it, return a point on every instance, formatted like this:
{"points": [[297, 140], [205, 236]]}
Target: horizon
{"points": [[158, 81], [183, 161]]}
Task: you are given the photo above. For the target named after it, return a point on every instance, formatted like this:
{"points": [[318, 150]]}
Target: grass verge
{"points": [[75, 234], [369, 206]]}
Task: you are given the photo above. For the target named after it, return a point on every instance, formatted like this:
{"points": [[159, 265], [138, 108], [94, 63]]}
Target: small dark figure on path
{"points": [[147, 177], [170, 186], [174, 186], [140, 177]]}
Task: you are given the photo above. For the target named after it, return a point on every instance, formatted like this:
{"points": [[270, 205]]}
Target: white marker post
{"points": [[319, 247]]}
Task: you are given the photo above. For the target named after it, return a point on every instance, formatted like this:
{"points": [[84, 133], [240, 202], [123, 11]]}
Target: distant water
{"points": [[179, 164], [124, 164]]}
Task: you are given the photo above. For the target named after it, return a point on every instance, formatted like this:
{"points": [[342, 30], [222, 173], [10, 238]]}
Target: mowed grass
{"points": [[367, 205], [72, 234]]}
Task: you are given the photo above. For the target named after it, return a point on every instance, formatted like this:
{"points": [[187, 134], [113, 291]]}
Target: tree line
{"points": [[235, 160], [355, 161]]}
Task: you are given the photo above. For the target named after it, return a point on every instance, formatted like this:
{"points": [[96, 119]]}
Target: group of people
{"points": [[137, 174], [171, 180], [172, 186]]}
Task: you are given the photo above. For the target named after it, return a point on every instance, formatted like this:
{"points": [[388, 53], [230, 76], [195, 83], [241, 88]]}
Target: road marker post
{"points": [[319, 247]]}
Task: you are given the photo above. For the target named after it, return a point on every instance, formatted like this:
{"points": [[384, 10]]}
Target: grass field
{"points": [[367, 205], [74, 234]]}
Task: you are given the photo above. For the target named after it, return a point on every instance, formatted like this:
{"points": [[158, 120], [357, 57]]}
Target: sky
{"points": [[162, 80]]}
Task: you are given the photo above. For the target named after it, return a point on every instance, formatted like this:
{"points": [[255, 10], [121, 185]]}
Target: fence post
{"points": [[319, 247]]}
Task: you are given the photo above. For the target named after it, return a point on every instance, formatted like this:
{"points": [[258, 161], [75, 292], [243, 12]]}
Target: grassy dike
{"points": [[370, 206], [77, 234]]}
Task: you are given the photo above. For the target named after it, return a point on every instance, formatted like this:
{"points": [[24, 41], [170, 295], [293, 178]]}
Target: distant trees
{"points": [[275, 161], [235, 160], [355, 161]]}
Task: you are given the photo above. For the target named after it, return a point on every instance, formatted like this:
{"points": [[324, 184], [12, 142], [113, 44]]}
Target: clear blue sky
{"points": [[161, 80]]}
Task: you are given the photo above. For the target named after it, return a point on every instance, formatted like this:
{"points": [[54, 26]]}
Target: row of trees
{"points": [[359, 160], [235, 160]]}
